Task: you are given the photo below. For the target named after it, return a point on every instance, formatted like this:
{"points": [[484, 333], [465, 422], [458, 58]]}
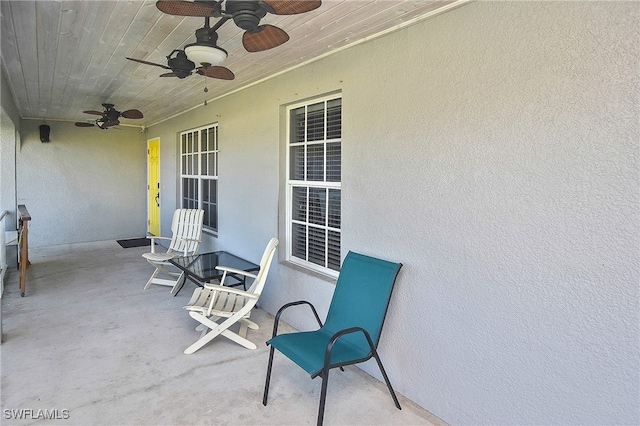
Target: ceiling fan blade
{"points": [[82, 124], [93, 112], [266, 37], [290, 7], [132, 113], [168, 74], [110, 123], [149, 63], [186, 8], [221, 73]]}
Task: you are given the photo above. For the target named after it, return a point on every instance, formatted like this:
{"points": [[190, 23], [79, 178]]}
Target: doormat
{"points": [[134, 242]]}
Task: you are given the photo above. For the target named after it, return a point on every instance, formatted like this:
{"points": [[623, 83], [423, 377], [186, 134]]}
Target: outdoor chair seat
{"points": [[158, 257], [307, 349]]}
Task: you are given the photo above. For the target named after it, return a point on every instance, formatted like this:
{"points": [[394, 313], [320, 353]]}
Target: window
{"points": [[199, 173], [313, 184]]}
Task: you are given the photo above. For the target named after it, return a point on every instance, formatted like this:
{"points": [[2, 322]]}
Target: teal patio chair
{"points": [[352, 328]]}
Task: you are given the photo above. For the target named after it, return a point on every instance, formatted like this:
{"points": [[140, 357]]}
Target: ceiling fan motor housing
{"points": [[181, 65], [111, 114], [206, 36], [246, 14]]}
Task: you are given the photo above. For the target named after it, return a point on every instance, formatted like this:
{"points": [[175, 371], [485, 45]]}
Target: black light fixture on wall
{"points": [[44, 133]]}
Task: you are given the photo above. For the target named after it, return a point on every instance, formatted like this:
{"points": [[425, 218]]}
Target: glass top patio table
{"points": [[201, 268]]}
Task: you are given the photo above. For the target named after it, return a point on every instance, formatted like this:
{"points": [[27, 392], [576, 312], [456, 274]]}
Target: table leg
{"points": [[178, 285], [181, 280]]}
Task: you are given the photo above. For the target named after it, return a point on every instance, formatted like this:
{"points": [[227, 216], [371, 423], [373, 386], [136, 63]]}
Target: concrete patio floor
{"points": [[89, 346]]}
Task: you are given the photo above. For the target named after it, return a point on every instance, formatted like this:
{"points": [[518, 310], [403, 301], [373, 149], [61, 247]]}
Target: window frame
{"points": [[309, 184], [196, 159]]}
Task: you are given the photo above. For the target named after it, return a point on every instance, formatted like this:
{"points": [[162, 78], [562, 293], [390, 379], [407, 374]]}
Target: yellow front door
{"points": [[153, 187]]}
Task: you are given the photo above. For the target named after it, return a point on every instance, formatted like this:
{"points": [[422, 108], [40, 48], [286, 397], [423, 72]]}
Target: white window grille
{"points": [[199, 173], [314, 184]]}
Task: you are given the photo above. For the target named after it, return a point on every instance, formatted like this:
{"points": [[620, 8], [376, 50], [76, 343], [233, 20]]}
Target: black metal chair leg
{"points": [[323, 396], [268, 379], [386, 379]]}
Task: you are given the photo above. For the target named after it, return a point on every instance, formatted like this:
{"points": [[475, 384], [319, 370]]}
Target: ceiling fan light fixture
{"points": [[205, 54]]}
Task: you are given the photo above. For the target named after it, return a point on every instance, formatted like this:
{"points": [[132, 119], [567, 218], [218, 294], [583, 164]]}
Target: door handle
{"points": [[158, 199]]}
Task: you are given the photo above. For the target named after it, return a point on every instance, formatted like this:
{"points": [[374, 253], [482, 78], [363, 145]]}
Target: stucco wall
{"points": [[9, 123], [6, 100], [493, 150], [8, 170], [86, 184]]}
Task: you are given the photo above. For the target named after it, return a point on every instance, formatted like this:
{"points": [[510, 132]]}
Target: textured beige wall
{"points": [[86, 184], [9, 122], [8, 170], [493, 150], [8, 254], [6, 99]]}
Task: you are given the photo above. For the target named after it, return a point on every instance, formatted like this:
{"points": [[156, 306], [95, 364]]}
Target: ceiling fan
{"points": [[109, 117], [180, 66], [246, 14]]}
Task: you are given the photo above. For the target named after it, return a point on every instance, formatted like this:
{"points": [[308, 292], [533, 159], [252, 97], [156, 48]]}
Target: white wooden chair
{"points": [[216, 301], [186, 227]]}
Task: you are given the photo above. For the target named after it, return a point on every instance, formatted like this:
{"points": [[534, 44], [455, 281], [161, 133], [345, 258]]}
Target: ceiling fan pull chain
{"points": [[205, 85]]}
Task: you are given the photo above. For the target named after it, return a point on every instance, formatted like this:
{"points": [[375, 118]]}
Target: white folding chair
{"points": [[216, 301], [186, 227]]}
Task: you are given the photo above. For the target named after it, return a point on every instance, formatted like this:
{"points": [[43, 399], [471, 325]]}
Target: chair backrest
{"points": [[361, 297], [186, 227], [265, 263]]}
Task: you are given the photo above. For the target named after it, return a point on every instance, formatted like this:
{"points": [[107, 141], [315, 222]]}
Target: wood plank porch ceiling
{"points": [[63, 57]]}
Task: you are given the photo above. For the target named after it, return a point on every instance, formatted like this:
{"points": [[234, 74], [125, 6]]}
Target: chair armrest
{"points": [[232, 290], [153, 241], [339, 334], [276, 320], [236, 271], [350, 330]]}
